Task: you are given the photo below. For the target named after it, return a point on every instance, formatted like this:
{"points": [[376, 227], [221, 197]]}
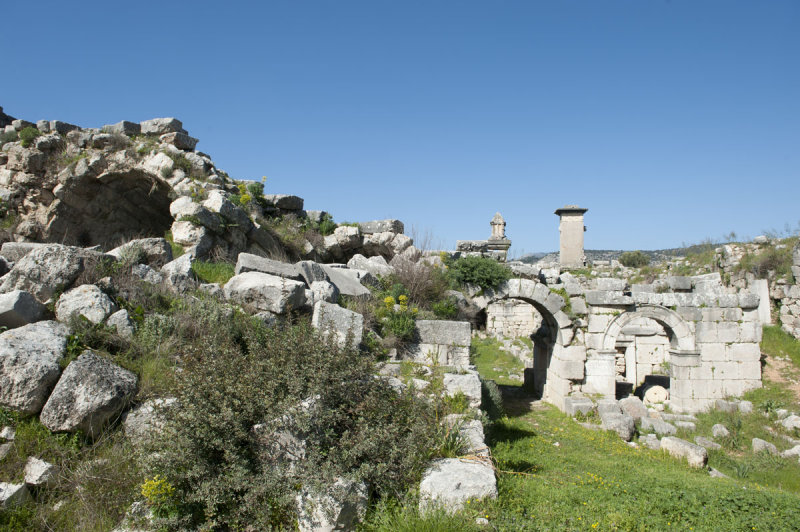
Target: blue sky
{"points": [[672, 121]]}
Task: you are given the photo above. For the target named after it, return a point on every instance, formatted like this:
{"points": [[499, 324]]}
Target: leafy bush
{"points": [[634, 259], [28, 135], [400, 323], [778, 260], [491, 399], [482, 271], [445, 309], [326, 225], [228, 476]]}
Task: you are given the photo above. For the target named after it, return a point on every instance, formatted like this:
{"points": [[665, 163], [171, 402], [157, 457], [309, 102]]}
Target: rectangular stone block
{"points": [[444, 332], [706, 332], [713, 351], [732, 314], [701, 372], [745, 352], [728, 332], [599, 322], [712, 314], [680, 373], [750, 332], [690, 313], [598, 297], [750, 370], [594, 340], [733, 388], [680, 388], [567, 369], [751, 315], [573, 352], [725, 370], [728, 300]]}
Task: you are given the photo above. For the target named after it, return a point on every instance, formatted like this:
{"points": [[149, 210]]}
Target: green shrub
{"points": [[326, 225], [634, 259], [778, 260], [227, 476], [255, 189], [446, 309], [482, 271], [28, 135], [491, 399]]}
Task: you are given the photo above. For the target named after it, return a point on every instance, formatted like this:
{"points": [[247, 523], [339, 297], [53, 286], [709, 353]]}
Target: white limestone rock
{"points": [[720, 431], [265, 292], [340, 507], [178, 273], [91, 392], [376, 265], [468, 383], [18, 308], [46, 270], [247, 262], [29, 364], [695, 455], [791, 423], [145, 420], [122, 323], [622, 424], [86, 300], [658, 426], [12, 495], [38, 472], [159, 126], [153, 251], [760, 445], [655, 394], [705, 442], [448, 483], [324, 291], [634, 407], [343, 323]]}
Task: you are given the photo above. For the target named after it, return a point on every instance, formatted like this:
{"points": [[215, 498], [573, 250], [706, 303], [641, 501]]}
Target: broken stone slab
{"points": [[323, 291], [29, 364], [634, 407], [760, 445], [87, 301], [573, 405], [46, 270], [695, 455], [622, 424], [473, 435], [18, 308], [376, 265], [124, 127], [381, 226], [91, 393], [178, 274], [650, 441], [601, 298], [608, 406], [159, 126], [726, 406], [794, 452], [62, 127], [708, 444], [285, 202], [12, 495], [38, 472], [151, 251], [443, 332], [791, 422], [719, 431], [312, 272], [339, 507], [450, 482], [658, 426], [8, 433], [347, 281], [145, 420], [685, 425], [343, 323], [5, 448], [182, 141], [247, 262], [265, 292], [468, 384]]}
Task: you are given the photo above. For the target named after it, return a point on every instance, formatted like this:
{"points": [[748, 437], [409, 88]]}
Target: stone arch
{"points": [[681, 336], [556, 334]]}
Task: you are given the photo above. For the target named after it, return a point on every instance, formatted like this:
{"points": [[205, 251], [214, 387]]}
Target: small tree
{"points": [[634, 259]]}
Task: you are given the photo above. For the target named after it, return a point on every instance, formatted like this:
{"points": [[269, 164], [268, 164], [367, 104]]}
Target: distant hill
{"points": [[656, 255]]}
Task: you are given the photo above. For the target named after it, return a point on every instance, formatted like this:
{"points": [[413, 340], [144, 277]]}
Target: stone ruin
{"points": [[495, 247]]}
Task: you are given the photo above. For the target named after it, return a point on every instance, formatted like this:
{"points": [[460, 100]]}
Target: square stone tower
{"points": [[571, 228]]}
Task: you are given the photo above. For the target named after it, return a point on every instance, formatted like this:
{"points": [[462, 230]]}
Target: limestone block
{"points": [[444, 332], [265, 292], [679, 283], [381, 226], [707, 332], [713, 351], [469, 384], [247, 262], [349, 282], [658, 426], [450, 482], [339, 507], [38, 472], [750, 332], [285, 202], [87, 301], [159, 126], [727, 332], [609, 284], [760, 446], [695, 455], [719, 431], [745, 352], [708, 444], [12, 495], [608, 406], [567, 369], [728, 300], [341, 322], [18, 308], [598, 323], [622, 424], [579, 307], [596, 297], [573, 405], [702, 371]]}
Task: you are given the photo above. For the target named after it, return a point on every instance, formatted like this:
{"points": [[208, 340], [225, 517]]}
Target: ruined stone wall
{"points": [[512, 319]]}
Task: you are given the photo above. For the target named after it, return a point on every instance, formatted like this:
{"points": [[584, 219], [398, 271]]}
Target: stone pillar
{"points": [[571, 231], [683, 389], [601, 376], [498, 243], [761, 287]]}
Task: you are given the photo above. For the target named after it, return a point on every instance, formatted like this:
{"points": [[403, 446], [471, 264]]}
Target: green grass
{"points": [[778, 343], [486, 355], [213, 272]]}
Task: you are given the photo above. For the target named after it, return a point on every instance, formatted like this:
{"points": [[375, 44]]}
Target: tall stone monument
{"points": [[571, 229]]}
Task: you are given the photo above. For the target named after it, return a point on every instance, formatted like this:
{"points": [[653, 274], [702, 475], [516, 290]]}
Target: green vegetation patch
{"points": [[494, 363], [481, 271], [634, 259], [213, 272]]}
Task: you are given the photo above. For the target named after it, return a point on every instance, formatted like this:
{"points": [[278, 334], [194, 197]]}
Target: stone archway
{"points": [[642, 354], [555, 334]]}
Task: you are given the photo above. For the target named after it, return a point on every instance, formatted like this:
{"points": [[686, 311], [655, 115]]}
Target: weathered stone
{"points": [[343, 323], [745, 407], [377, 265], [29, 367], [726, 406], [147, 274], [91, 392], [573, 405], [152, 251], [685, 425], [449, 483], [220, 203], [18, 308], [178, 273], [655, 394], [708, 444], [13, 251], [145, 420], [347, 281], [695, 455], [12, 495], [8, 433], [159, 126], [312, 272], [265, 292], [5, 448], [622, 424], [182, 141], [608, 406], [47, 270], [87, 301], [124, 128], [122, 323], [340, 507], [62, 127], [794, 452], [610, 284], [719, 431], [381, 226], [324, 291], [634, 407], [791, 422], [253, 263], [600, 298], [38, 472], [285, 202], [679, 283], [443, 332], [760, 445], [650, 441], [468, 384], [658, 426]]}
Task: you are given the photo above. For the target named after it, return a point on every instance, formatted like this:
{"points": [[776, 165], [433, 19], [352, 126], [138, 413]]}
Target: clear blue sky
{"points": [[672, 121]]}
